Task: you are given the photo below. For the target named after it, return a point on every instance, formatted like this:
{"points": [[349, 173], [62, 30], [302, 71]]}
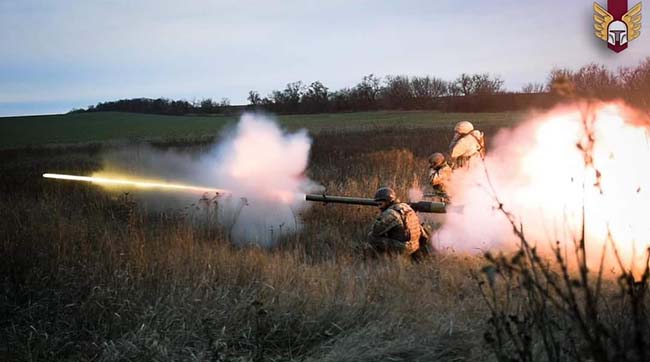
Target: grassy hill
{"points": [[116, 126]]}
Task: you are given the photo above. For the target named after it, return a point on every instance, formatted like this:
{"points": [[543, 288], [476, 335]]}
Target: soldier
{"points": [[397, 229], [468, 144], [439, 176]]}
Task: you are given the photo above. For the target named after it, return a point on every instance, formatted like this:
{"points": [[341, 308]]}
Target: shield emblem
{"points": [[617, 25]]}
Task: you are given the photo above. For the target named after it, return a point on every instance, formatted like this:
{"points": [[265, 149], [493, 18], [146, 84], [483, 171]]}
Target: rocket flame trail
{"points": [[136, 183], [256, 163]]}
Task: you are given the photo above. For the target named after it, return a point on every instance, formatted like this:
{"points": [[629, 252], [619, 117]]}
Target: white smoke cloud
{"points": [[537, 172], [260, 165]]}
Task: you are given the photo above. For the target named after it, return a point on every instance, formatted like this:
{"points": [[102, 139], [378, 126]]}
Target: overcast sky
{"points": [[62, 54]]}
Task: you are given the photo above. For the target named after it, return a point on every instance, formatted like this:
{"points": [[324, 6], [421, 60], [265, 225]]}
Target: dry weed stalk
{"points": [[544, 310]]}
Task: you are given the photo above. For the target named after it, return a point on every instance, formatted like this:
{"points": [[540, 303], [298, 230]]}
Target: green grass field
{"points": [[115, 126]]}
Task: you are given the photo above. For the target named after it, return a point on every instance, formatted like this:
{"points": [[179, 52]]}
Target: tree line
{"points": [[481, 92], [375, 93], [161, 106], [631, 84]]}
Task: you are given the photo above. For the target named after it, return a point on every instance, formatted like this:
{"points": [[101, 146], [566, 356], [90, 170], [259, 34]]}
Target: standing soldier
{"points": [[439, 176], [397, 229], [468, 144]]}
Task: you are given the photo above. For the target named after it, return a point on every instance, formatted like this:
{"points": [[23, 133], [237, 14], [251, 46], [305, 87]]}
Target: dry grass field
{"points": [[92, 275]]}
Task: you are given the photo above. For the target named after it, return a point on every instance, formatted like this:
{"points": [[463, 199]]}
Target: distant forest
{"points": [[466, 93]]}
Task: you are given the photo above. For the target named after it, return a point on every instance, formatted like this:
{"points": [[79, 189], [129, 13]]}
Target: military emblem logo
{"points": [[617, 25]]}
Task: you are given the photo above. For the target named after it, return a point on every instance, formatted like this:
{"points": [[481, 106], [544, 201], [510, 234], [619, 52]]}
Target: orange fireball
{"points": [[588, 157]]}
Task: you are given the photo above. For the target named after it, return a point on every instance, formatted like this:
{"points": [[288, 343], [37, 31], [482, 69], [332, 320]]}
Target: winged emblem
{"points": [[619, 28], [633, 21], [602, 20]]}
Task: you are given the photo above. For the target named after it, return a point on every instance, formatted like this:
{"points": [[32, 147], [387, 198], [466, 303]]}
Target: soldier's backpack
{"points": [[480, 139], [412, 229], [425, 249], [425, 235]]}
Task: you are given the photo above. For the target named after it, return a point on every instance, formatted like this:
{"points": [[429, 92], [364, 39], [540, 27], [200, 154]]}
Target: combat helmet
{"points": [[385, 194], [464, 127], [436, 159]]}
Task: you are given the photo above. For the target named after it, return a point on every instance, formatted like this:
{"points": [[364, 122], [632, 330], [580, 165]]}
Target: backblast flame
{"points": [[548, 171]]}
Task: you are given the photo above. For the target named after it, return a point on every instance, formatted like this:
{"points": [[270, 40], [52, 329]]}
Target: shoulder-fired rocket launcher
{"points": [[420, 206]]}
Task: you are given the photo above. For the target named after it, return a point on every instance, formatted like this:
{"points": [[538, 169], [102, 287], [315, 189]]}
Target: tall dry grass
{"points": [[92, 275], [559, 308]]}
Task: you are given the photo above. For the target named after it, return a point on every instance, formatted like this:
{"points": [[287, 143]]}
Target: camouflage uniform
{"points": [[465, 148], [439, 177], [396, 230]]}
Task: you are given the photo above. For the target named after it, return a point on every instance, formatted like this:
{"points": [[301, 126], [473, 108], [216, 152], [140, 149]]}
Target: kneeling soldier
{"points": [[397, 229], [439, 176]]}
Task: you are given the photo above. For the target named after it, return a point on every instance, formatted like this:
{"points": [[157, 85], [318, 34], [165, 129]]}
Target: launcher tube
{"points": [[421, 206]]}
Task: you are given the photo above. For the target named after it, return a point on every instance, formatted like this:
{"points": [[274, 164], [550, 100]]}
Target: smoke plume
{"points": [[261, 166], [545, 170]]}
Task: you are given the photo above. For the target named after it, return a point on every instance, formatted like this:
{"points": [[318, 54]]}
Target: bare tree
{"points": [[464, 85], [366, 94], [533, 88], [397, 92], [428, 87], [485, 84], [468, 85], [636, 82], [254, 98], [207, 106], [560, 82], [315, 98], [293, 92], [595, 80]]}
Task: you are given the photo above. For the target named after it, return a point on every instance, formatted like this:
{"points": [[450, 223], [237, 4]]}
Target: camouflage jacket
{"points": [[465, 147], [439, 178], [398, 222]]}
